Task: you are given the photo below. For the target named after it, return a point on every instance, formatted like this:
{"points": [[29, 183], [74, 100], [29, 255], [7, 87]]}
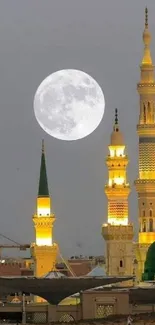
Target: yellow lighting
{"points": [[116, 151], [146, 238], [120, 152], [43, 206], [118, 221], [112, 152], [44, 241], [110, 182], [147, 174], [119, 180], [42, 211]]}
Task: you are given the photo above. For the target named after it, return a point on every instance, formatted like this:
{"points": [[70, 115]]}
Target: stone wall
{"points": [[140, 319]]}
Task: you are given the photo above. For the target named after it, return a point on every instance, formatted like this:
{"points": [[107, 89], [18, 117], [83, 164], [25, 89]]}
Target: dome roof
{"points": [[117, 138], [151, 252], [149, 268]]}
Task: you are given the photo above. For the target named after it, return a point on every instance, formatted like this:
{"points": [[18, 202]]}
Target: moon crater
{"points": [[69, 105]]}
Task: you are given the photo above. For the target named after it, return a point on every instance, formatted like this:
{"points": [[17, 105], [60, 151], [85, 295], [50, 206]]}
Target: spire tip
{"points": [[43, 146], [116, 116], [146, 17]]}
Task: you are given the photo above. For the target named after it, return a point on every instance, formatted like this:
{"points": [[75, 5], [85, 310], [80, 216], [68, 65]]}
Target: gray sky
{"points": [[102, 38]]}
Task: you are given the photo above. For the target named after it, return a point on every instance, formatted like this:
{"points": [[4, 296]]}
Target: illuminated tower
{"points": [[118, 232], [145, 184], [44, 251]]}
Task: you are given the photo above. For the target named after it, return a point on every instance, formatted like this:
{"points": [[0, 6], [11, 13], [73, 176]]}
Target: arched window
{"points": [[121, 263], [150, 213], [144, 226], [144, 114], [151, 225], [149, 112], [143, 213]]}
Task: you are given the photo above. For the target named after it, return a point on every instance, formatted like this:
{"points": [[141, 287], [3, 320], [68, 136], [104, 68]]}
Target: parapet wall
{"points": [[140, 319]]}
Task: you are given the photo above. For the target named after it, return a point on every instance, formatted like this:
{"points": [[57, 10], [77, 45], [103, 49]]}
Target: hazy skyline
{"points": [[102, 38]]}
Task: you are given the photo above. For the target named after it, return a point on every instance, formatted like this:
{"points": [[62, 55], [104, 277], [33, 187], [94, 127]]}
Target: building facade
{"points": [[118, 232]]}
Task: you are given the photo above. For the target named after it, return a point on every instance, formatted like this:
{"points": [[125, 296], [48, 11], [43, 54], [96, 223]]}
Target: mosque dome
{"points": [[149, 268]]}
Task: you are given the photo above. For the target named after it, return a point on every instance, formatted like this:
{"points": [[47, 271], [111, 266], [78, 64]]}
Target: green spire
{"points": [[43, 184]]}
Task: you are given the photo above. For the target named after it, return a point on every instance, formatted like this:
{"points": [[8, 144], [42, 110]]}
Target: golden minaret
{"points": [[118, 232], [44, 250], [145, 184]]}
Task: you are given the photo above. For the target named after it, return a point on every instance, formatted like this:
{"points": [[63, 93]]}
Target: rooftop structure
{"points": [[56, 289]]}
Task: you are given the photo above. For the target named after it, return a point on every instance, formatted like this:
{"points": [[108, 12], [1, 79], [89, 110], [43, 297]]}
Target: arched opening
{"points": [[150, 213], [144, 113], [144, 226], [151, 225], [149, 111], [66, 318], [121, 263]]}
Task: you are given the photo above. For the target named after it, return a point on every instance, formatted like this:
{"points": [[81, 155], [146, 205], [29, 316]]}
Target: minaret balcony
{"points": [[144, 88], [121, 157], [145, 84], [117, 190], [146, 130], [119, 232], [117, 186], [145, 185]]}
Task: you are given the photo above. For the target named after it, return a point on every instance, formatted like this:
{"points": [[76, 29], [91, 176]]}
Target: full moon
{"points": [[69, 105]]}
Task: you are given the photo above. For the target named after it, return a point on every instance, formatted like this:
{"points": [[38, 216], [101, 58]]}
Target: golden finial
{"points": [[116, 135], [116, 116], [43, 146], [116, 127], [147, 60], [146, 17]]}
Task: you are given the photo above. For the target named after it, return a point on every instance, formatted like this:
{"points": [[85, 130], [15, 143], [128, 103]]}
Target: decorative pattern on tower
{"points": [[117, 232], [145, 184], [44, 251]]}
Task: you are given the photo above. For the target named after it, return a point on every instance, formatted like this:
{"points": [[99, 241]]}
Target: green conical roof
{"points": [[43, 184], [149, 268]]}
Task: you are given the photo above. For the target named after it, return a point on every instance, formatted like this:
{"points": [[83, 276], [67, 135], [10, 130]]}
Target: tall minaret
{"points": [[118, 232], [145, 184], [44, 251]]}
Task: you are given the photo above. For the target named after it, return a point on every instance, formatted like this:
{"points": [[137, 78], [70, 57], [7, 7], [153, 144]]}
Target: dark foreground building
{"points": [[56, 289]]}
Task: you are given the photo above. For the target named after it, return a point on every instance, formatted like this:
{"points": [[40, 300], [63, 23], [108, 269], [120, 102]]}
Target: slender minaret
{"points": [[44, 250], [118, 232], [145, 184]]}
